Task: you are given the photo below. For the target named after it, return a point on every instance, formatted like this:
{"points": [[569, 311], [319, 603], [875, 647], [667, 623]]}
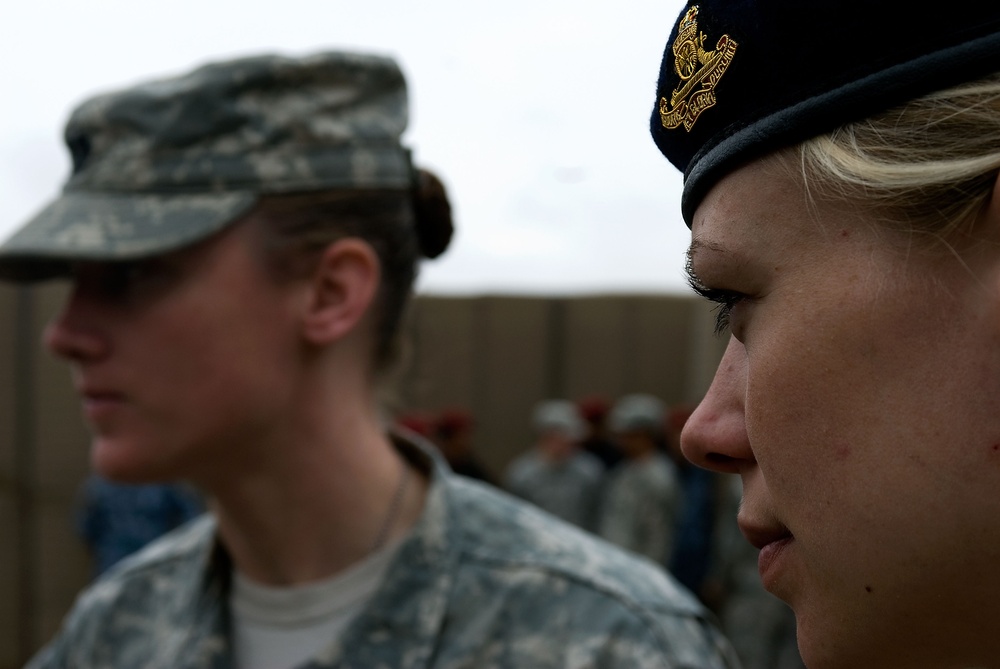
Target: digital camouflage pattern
{"points": [[641, 503], [166, 163], [482, 582]]}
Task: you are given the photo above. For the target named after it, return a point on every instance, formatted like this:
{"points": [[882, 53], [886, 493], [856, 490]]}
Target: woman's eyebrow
{"points": [[698, 244]]}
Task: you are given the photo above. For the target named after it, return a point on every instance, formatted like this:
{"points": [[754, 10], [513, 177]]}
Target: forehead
{"points": [[761, 219], [762, 203]]}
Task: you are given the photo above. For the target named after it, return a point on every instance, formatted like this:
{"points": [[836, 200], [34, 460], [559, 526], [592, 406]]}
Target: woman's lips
{"points": [[769, 560], [773, 543], [98, 404]]}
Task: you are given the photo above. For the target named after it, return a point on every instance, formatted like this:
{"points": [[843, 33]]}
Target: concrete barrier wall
{"points": [[10, 593], [43, 459], [61, 464], [495, 356]]}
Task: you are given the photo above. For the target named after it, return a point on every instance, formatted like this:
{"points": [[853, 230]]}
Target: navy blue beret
{"points": [[742, 78]]}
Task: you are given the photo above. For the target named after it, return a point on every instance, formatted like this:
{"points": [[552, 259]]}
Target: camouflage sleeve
{"points": [[673, 643], [52, 656], [531, 617], [645, 636], [64, 650], [644, 641]]}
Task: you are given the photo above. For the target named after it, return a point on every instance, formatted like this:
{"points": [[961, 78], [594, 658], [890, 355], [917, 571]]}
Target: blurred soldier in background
{"points": [[452, 432], [643, 496], [241, 243], [115, 520], [693, 544], [555, 474], [596, 440]]}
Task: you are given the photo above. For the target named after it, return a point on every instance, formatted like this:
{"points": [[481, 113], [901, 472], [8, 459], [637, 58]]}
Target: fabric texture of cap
{"points": [[164, 164], [637, 413], [742, 78], [560, 416]]}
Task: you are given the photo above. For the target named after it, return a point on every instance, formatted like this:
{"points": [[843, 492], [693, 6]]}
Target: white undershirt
{"points": [[284, 627]]}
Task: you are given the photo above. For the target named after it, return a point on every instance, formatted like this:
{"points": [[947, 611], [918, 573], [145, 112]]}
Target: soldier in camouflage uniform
{"points": [[841, 163], [240, 242], [643, 496], [556, 474]]}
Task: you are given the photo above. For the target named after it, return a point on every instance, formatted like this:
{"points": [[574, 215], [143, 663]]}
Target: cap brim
{"points": [[91, 226]]}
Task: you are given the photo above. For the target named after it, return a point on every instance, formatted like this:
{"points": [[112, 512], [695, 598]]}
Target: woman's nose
{"points": [[715, 436], [74, 333]]}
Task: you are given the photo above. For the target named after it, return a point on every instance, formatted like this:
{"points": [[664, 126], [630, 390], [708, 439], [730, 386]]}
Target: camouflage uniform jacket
{"points": [[483, 581]]}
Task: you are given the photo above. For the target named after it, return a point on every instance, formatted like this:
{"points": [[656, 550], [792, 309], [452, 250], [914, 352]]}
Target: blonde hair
{"points": [[926, 167]]}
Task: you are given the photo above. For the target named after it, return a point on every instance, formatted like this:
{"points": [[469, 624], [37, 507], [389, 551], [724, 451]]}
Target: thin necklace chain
{"points": [[397, 500]]}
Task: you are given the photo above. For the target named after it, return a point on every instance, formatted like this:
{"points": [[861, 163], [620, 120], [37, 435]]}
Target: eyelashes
{"points": [[724, 300]]}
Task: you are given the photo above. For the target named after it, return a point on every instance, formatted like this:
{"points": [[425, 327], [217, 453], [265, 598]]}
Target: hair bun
{"points": [[433, 214]]}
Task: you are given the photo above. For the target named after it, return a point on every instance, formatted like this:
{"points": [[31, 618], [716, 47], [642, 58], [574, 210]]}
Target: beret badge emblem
{"points": [[699, 71]]}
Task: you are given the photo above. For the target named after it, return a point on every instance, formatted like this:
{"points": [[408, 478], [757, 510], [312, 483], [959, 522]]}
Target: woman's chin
{"points": [[121, 462]]}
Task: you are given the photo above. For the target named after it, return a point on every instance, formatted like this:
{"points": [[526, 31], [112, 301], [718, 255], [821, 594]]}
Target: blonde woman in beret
{"points": [[841, 163]]}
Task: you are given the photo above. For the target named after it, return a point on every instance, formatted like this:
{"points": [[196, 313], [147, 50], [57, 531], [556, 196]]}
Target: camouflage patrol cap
{"points": [[164, 164], [637, 413], [559, 416]]}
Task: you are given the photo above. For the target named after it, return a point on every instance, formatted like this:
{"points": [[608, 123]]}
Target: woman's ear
{"points": [[343, 287]]}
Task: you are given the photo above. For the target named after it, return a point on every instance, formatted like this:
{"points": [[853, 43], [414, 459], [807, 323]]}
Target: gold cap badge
{"points": [[699, 71]]}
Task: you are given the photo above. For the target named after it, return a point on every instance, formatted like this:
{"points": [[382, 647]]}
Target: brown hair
{"points": [[401, 226]]}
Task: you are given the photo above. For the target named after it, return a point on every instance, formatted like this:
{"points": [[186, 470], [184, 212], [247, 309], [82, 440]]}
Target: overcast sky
{"points": [[534, 113]]}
